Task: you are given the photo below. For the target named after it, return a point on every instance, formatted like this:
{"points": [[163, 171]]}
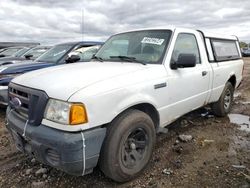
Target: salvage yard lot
{"points": [[217, 156]]}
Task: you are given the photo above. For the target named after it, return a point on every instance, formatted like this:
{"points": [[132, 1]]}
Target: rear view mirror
{"points": [[28, 56], [73, 59], [184, 61]]}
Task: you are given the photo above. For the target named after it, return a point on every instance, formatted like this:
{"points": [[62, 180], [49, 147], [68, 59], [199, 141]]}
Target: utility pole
{"points": [[82, 28]]}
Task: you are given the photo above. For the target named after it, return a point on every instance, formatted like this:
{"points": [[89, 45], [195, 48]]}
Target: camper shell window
{"points": [[225, 50]]}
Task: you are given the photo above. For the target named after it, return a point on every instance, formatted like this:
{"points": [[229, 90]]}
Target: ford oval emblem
{"points": [[16, 102]]}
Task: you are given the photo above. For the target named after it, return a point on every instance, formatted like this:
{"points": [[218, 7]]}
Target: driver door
{"points": [[188, 87]]}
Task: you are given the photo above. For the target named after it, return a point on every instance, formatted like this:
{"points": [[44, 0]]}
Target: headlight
{"points": [[65, 113]]}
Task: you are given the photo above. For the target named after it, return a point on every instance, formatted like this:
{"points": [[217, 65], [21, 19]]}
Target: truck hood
{"points": [[62, 81]]}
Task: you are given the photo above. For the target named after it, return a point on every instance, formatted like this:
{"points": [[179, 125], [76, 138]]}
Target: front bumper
{"points": [[4, 95], [75, 153]]}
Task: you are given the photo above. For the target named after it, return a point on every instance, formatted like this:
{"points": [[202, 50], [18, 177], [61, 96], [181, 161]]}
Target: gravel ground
{"points": [[216, 155]]}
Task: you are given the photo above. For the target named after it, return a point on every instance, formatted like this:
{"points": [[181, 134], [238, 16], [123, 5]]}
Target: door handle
{"points": [[204, 73]]}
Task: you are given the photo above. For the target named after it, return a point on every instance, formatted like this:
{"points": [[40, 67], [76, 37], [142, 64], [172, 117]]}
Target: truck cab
{"points": [[108, 111]]}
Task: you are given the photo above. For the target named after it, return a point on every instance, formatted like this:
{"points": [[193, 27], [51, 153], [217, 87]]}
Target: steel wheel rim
{"points": [[227, 99], [134, 148]]}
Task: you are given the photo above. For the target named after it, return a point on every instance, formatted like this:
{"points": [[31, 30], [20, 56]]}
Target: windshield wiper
{"points": [[127, 58], [97, 58]]}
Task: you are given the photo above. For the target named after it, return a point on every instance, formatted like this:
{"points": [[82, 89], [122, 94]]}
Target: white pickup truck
{"points": [[108, 111]]}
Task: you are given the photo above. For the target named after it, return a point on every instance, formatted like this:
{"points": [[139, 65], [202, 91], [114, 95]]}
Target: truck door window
{"points": [[185, 44]]}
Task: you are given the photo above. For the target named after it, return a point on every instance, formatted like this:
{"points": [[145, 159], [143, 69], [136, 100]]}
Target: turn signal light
{"points": [[78, 114]]}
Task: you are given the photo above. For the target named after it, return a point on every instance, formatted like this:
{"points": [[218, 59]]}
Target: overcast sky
{"points": [[55, 21]]}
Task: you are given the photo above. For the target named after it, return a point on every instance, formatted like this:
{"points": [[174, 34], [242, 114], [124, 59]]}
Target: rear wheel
{"points": [[223, 106], [128, 146]]}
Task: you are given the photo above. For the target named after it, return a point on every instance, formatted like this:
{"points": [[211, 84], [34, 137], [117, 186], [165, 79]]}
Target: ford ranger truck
{"points": [[108, 111]]}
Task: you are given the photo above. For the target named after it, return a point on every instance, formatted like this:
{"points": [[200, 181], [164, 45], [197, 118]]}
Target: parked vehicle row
{"points": [[59, 54], [30, 54], [14, 51], [107, 111]]}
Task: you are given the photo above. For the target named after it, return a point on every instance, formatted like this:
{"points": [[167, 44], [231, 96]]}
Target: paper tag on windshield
{"points": [[149, 40]]}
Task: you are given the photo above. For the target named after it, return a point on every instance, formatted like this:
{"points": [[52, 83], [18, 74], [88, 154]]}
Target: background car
{"points": [[31, 54], [14, 51], [246, 52], [1, 50], [57, 55]]}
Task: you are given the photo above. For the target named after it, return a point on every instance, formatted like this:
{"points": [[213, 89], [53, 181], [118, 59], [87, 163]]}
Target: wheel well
{"points": [[149, 110], [232, 80]]}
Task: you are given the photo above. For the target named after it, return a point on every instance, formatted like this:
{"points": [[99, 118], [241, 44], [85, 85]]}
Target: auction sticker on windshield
{"points": [[149, 40]]}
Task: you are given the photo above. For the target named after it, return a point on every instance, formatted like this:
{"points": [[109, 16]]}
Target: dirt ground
{"points": [[217, 156]]}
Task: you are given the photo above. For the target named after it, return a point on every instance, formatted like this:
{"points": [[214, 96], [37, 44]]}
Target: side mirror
{"points": [[73, 59], [2, 55], [28, 56], [184, 61]]}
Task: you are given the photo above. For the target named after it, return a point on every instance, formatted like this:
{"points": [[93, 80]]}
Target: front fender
{"points": [[132, 101], [103, 108]]}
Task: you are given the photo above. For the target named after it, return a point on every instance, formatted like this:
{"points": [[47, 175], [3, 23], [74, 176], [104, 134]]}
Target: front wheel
{"points": [[223, 106], [128, 146]]}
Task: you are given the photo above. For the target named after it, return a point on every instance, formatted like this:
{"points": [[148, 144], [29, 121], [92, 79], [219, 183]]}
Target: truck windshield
{"points": [[146, 46], [54, 54]]}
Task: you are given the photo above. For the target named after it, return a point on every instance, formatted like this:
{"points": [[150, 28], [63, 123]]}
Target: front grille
{"points": [[32, 103], [23, 110]]}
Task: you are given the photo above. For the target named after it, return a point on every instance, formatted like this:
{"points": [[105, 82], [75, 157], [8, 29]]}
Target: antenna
{"points": [[82, 29]]}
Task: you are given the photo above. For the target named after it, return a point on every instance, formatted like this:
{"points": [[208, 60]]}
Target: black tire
{"points": [[223, 106], [128, 146]]}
